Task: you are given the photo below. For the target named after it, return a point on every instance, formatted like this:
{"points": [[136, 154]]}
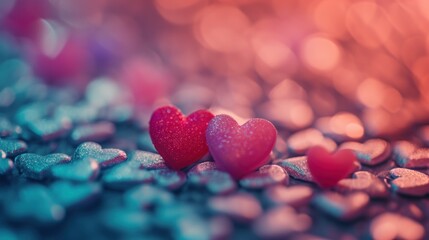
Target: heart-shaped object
{"points": [[329, 168], [35, 166], [180, 140], [237, 149], [371, 152], [363, 181], [408, 182], [79, 170], [105, 157]]}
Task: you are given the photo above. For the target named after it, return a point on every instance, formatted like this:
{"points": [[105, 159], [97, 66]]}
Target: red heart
{"points": [[237, 149], [180, 140], [327, 169]]}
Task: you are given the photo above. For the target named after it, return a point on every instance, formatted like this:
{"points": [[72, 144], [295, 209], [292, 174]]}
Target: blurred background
{"points": [[349, 68]]}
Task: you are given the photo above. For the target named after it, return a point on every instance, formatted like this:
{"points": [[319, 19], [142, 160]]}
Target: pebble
{"points": [[22, 205], [125, 176], [78, 113], [371, 152], [295, 196], [280, 222], [36, 166], [168, 178], [147, 160], [215, 181], [297, 167], [105, 157], [8, 129], [146, 196], [49, 129], [124, 220], [241, 207], [6, 165], [408, 182], [395, 226], [86, 169], [220, 228], [408, 155], [341, 207], [97, 132], [12, 147], [363, 181], [299, 142], [267, 175], [71, 195], [201, 167]]}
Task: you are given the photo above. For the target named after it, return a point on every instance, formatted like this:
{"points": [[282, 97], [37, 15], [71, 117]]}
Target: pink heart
{"points": [[237, 149]]}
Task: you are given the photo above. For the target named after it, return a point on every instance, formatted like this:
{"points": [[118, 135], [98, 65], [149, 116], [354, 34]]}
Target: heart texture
{"points": [[180, 140], [237, 149], [329, 168]]}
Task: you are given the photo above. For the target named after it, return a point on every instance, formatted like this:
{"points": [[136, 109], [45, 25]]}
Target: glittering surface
{"points": [[326, 168], [178, 139], [371, 152], [237, 149], [147, 160], [105, 157], [266, 175], [12, 147], [6, 165], [36, 166], [125, 175], [363, 181], [297, 167], [409, 182], [168, 178], [409, 155]]}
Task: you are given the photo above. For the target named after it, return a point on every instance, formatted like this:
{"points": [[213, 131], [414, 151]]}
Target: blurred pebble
{"points": [[146, 196], [342, 207], [191, 227], [74, 194], [170, 215], [168, 178], [267, 175], [36, 166], [105, 157], [77, 113], [408, 155], [394, 226], [147, 160], [7, 128], [201, 167], [299, 142], [408, 182], [125, 176], [96, 132], [123, 220], [341, 126], [6, 165], [280, 222], [242, 207], [32, 112], [80, 170], [49, 129], [22, 205], [144, 142], [423, 134], [295, 196], [12, 148], [103, 92], [363, 181], [371, 152], [215, 181], [220, 228], [296, 167], [7, 234]]}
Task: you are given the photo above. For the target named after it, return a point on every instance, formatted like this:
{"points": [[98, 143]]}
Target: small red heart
{"points": [[327, 169], [180, 140], [237, 149]]}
